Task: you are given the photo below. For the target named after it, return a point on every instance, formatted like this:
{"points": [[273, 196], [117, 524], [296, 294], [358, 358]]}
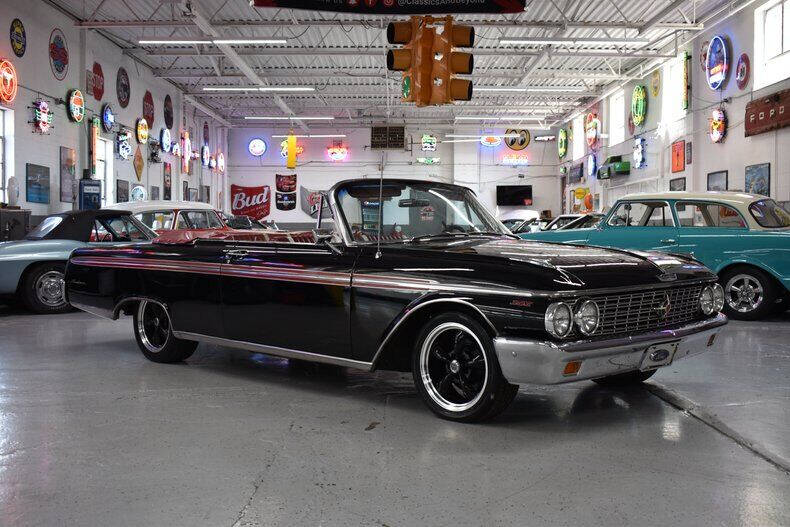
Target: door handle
{"points": [[668, 241], [235, 253]]}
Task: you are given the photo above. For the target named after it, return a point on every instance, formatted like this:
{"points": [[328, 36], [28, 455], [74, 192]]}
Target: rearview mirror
{"points": [[412, 202]]}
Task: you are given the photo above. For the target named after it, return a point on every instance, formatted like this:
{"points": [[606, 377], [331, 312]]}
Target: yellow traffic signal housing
{"points": [[445, 88], [414, 59]]}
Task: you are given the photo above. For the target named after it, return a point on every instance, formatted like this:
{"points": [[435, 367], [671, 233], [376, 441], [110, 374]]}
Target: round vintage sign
{"points": [[221, 162], [168, 109], [490, 140], [165, 140], [205, 155], [592, 165], [107, 118], [142, 130], [122, 87], [717, 127], [138, 193], [655, 83], [742, 71], [18, 37], [257, 147], [76, 105], [516, 139], [638, 105], [9, 84], [98, 81], [703, 54], [148, 108], [562, 143], [717, 64], [58, 54]]}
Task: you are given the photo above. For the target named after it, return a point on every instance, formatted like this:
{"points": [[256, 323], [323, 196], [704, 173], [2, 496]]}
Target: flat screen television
{"points": [[514, 195]]}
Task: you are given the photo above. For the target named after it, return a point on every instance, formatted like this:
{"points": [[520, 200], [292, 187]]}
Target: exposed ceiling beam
{"points": [[356, 92], [205, 109], [655, 19]]}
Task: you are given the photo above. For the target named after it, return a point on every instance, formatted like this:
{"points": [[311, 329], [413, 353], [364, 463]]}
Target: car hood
{"points": [[554, 266]]}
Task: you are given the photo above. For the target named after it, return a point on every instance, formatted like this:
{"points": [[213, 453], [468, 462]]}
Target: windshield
{"points": [[411, 210], [769, 214]]}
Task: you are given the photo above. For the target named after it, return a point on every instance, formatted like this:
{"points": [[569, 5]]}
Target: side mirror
{"points": [[328, 238]]}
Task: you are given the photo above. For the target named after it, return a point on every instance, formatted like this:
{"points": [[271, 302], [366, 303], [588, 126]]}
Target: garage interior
{"points": [[94, 434]]}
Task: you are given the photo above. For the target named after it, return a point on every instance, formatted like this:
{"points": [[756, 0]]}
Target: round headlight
{"points": [[718, 297], [706, 300], [587, 317], [559, 320]]}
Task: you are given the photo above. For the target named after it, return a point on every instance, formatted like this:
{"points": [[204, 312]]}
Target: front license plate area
{"points": [[658, 355]]}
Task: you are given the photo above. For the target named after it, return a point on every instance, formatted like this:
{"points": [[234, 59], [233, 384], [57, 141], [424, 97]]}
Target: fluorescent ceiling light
{"points": [[228, 41], [529, 88], [498, 118], [312, 136], [287, 118], [542, 41], [478, 136], [259, 88]]}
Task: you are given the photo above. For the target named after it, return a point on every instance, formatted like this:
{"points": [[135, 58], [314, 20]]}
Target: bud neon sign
{"points": [[515, 159]]}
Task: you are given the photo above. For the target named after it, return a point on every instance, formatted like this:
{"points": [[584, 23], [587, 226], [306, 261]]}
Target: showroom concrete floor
{"points": [[93, 434]]}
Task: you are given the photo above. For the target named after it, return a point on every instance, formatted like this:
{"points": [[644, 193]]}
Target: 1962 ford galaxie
{"points": [[441, 289]]}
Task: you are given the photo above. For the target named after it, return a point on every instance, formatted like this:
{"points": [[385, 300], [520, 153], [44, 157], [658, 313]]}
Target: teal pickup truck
{"points": [[744, 238]]}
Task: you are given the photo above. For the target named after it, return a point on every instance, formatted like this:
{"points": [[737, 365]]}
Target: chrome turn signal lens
{"points": [[718, 297], [706, 300], [559, 320], [587, 317]]}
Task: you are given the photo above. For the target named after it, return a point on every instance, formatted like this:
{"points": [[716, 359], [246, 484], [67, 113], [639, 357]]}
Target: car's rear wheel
{"points": [[456, 371], [631, 378], [43, 288], [154, 334], [749, 293]]}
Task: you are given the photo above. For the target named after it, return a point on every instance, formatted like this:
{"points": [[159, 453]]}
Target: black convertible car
{"points": [[413, 276]]}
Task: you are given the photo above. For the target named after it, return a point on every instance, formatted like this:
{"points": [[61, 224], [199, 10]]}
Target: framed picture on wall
{"points": [[688, 152], [167, 180], [68, 172], [121, 191], [679, 183], [193, 194], [717, 180], [185, 190], [36, 183], [154, 192], [758, 179], [678, 156]]}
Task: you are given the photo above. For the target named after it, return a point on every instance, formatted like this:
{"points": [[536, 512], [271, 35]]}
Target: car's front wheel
{"points": [[456, 371], [43, 288], [154, 334]]}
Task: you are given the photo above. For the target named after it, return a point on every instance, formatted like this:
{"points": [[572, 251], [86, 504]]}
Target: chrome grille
{"points": [[631, 313]]}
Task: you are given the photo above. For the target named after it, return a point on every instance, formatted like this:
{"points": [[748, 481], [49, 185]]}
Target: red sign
{"points": [[679, 156], [286, 182], [8, 82], [98, 81], [768, 113], [148, 109], [255, 202]]}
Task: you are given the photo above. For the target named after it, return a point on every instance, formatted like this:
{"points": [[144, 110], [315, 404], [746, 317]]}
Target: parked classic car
{"points": [[440, 289], [591, 219], [560, 221], [32, 269], [166, 215], [744, 238]]}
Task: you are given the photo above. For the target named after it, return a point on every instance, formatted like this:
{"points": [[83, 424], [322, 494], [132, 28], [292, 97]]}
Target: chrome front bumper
{"points": [[543, 362]]}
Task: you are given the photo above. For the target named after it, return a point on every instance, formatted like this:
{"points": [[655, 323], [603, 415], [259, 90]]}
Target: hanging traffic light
{"points": [[428, 61], [445, 88]]}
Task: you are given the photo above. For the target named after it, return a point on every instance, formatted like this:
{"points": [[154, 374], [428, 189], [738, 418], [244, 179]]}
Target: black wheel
{"points": [[43, 288], [456, 371], [154, 334], [625, 379], [749, 293]]}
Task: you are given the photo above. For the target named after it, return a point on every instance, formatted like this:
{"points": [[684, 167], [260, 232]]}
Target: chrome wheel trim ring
{"points": [[50, 288], [427, 382], [743, 293], [143, 332]]}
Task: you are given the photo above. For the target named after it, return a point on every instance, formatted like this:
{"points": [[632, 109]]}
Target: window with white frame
{"points": [[671, 99], [578, 138], [771, 43], [617, 118]]}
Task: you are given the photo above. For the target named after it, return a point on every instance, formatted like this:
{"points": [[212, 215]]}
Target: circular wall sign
{"points": [[107, 118], [638, 105], [655, 83], [123, 144], [76, 106], [517, 139], [742, 71], [562, 143], [490, 140], [717, 64], [168, 109], [98, 81], [18, 37], [221, 162], [58, 54], [257, 147], [205, 155], [592, 165], [142, 130], [592, 127], [8, 82], [148, 108], [717, 128], [703, 54], [122, 87], [165, 140], [138, 193]]}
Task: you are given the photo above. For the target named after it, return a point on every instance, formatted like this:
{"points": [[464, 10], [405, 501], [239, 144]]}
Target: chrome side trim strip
{"points": [[465, 301], [274, 350]]}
